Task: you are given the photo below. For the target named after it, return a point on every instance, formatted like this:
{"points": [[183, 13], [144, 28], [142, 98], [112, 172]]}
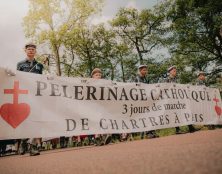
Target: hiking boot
{"points": [[130, 137], [150, 135], [23, 148], [179, 132], [154, 134], [142, 135], [34, 151], [108, 139], [211, 127], [191, 129], [97, 141]]}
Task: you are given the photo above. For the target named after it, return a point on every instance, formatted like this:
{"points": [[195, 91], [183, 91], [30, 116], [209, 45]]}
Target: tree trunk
{"points": [[70, 66], [58, 63], [112, 71], [139, 52], [122, 69], [90, 65]]}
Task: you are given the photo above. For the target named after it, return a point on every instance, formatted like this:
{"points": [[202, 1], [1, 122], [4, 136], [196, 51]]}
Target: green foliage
{"points": [[185, 33], [141, 30], [48, 21], [195, 31]]}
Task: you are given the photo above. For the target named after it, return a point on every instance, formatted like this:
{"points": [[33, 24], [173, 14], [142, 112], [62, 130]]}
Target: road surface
{"points": [[196, 153]]}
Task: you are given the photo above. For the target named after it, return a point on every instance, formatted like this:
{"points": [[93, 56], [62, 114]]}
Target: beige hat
{"points": [[96, 70], [200, 72], [142, 66], [170, 68], [30, 44]]}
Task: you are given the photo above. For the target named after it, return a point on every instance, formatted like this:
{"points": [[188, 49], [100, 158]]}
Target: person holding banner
{"points": [[201, 79], [31, 65], [172, 78], [141, 78], [106, 138]]}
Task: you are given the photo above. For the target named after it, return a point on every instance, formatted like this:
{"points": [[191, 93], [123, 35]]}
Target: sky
{"points": [[12, 39]]}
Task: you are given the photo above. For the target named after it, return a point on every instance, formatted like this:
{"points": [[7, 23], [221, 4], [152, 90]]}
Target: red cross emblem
{"points": [[217, 108], [15, 113]]}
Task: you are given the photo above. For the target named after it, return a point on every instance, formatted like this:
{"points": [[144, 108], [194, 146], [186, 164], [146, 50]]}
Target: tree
{"points": [[97, 47], [139, 29], [81, 43], [195, 30], [49, 20]]}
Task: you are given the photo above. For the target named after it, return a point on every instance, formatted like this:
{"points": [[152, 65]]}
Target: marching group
{"points": [[30, 64]]}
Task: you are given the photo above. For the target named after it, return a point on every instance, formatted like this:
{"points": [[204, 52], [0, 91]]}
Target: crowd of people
{"points": [[34, 146]]}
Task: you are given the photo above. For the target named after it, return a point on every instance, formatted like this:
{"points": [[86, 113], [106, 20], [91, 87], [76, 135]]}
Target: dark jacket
{"points": [[141, 79], [200, 82], [30, 66], [171, 80]]}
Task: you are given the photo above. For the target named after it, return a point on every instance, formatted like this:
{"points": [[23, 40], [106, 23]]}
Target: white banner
{"points": [[33, 106]]}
